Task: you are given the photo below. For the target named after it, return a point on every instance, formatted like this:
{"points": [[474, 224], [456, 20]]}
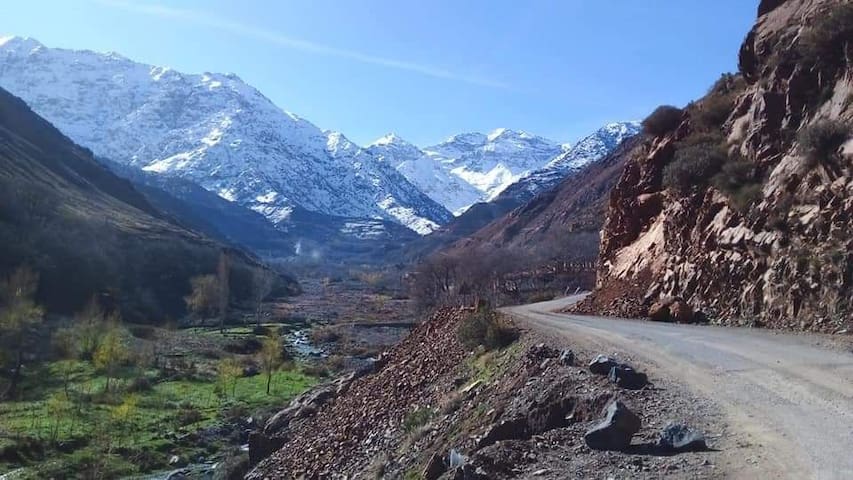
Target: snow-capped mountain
{"points": [[492, 162], [429, 174], [469, 167], [589, 149], [212, 129]]}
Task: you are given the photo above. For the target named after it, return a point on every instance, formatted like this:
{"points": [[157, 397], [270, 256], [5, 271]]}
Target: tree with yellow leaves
{"points": [[270, 356], [111, 351]]}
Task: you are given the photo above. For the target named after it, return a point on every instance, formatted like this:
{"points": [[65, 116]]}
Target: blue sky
{"points": [[425, 69]]}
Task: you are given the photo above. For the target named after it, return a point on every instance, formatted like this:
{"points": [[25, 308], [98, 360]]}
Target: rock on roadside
{"points": [[681, 438], [602, 364], [615, 431], [626, 377]]}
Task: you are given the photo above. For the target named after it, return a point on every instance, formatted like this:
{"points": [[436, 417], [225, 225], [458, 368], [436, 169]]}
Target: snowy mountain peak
{"points": [[589, 149], [495, 134], [472, 138], [390, 139], [509, 135], [212, 129], [21, 45]]}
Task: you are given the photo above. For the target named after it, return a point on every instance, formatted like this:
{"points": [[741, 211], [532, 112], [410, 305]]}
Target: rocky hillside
{"points": [[562, 222], [86, 231], [741, 204], [433, 408], [212, 129]]}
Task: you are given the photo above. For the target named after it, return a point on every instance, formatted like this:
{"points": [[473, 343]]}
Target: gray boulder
{"points": [[677, 437], [615, 431], [602, 364], [625, 376]]}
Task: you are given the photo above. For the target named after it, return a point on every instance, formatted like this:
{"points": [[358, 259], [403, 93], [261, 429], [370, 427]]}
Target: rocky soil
{"points": [[431, 409]]}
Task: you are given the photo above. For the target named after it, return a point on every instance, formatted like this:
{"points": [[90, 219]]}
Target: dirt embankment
{"points": [[429, 405]]}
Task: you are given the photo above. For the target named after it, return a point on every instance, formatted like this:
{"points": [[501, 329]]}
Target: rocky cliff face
{"points": [[743, 207]]}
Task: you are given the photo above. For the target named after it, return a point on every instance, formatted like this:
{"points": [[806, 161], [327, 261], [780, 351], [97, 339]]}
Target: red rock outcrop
{"points": [[784, 256]]}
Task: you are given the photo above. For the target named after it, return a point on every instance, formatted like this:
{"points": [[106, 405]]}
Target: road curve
{"points": [[792, 398]]}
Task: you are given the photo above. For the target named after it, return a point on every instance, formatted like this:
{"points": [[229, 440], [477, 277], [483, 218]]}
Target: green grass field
{"points": [[76, 429]]}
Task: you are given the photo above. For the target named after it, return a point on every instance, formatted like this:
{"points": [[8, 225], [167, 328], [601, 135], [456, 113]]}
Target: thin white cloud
{"points": [[275, 38]]}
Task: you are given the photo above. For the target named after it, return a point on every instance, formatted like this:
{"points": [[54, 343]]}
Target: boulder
{"points": [[602, 364], [567, 357], [659, 312], [434, 468], [677, 437], [262, 446], [681, 312], [624, 376], [507, 429], [615, 431], [251, 371]]}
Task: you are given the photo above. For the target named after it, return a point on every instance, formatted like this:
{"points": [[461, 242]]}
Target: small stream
{"points": [[302, 346]]}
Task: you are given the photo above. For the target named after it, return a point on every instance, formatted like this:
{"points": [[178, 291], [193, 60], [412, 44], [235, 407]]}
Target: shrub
{"points": [[485, 328], [745, 196], [693, 166], [325, 334], [417, 419], [733, 175], [189, 416], [712, 111], [825, 41], [737, 180], [821, 140], [140, 385], [663, 120]]}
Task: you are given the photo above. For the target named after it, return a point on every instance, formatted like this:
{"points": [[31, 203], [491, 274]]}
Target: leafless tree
{"points": [[263, 283]]}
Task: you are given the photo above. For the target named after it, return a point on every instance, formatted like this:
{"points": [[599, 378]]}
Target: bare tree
{"points": [[263, 282], [223, 271]]}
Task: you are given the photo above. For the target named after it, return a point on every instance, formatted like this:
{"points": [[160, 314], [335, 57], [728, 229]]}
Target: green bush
{"points": [[663, 120], [485, 328], [821, 140], [692, 166], [824, 42]]}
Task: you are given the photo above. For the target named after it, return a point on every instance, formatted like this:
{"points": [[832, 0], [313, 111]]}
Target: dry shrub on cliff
{"points": [[712, 111], [662, 121], [737, 180], [485, 328], [821, 140], [825, 42], [692, 166]]}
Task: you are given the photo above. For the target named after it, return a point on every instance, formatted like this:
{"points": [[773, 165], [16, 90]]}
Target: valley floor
{"points": [[785, 401]]}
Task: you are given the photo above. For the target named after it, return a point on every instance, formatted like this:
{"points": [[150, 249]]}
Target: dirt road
{"points": [[788, 400]]}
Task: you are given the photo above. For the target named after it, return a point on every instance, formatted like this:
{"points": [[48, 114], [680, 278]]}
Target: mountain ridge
{"points": [[212, 129]]}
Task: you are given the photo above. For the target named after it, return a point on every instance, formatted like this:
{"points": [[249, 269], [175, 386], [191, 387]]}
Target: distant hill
{"points": [[87, 231]]}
